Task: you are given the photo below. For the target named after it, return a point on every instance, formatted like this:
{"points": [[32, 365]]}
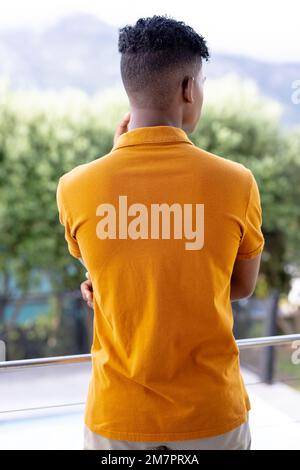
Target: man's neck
{"points": [[152, 117]]}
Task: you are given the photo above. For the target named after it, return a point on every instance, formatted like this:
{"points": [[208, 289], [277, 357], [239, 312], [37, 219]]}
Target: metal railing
{"points": [[242, 344]]}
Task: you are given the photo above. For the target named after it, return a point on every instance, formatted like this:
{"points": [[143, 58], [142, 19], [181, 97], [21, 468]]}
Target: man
{"points": [[169, 235]]}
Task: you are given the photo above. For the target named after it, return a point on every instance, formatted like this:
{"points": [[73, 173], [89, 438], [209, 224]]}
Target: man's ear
{"points": [[188, 89]]}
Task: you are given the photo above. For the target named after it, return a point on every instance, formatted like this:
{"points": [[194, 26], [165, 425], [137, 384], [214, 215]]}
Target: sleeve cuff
{"points": [[251, 254]]}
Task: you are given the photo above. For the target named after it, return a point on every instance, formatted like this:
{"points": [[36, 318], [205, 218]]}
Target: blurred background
{"points": [[61, 98]]}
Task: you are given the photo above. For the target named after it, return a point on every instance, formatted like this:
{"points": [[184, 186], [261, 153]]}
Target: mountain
{"points": [[273, 80], [78, 51], [81, 51]]}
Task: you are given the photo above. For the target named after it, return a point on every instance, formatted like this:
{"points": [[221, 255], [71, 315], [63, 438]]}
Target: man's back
{"points": [[159, 224]]}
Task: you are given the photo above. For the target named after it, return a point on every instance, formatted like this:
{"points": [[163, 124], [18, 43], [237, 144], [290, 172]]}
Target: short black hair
{"points": [[156, 53]]}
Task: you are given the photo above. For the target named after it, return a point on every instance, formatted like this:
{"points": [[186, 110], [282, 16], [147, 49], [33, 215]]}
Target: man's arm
{"points": [[247, 262], [244, 277]]}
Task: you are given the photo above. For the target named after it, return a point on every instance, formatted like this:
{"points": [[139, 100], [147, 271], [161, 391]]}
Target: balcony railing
{"points": [[242, 344]]}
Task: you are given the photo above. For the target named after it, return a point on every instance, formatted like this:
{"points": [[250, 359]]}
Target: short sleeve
{"points": [[252, 240], [65, 220]]}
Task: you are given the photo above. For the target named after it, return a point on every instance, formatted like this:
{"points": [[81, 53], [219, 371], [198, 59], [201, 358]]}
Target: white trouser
{"points": [[237, 439]]}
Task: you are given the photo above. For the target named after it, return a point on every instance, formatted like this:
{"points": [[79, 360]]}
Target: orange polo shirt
{"points": [[159, 224]]}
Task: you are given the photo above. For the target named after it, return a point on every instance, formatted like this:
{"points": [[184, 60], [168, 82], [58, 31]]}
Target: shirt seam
{"points": [[151, 142]]}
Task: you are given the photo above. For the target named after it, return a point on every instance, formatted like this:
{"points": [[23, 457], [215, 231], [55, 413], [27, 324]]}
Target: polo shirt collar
{"points": [[152, 135]]}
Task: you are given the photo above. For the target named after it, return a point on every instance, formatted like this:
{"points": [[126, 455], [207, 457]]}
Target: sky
{"points": [[263, 29]]}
